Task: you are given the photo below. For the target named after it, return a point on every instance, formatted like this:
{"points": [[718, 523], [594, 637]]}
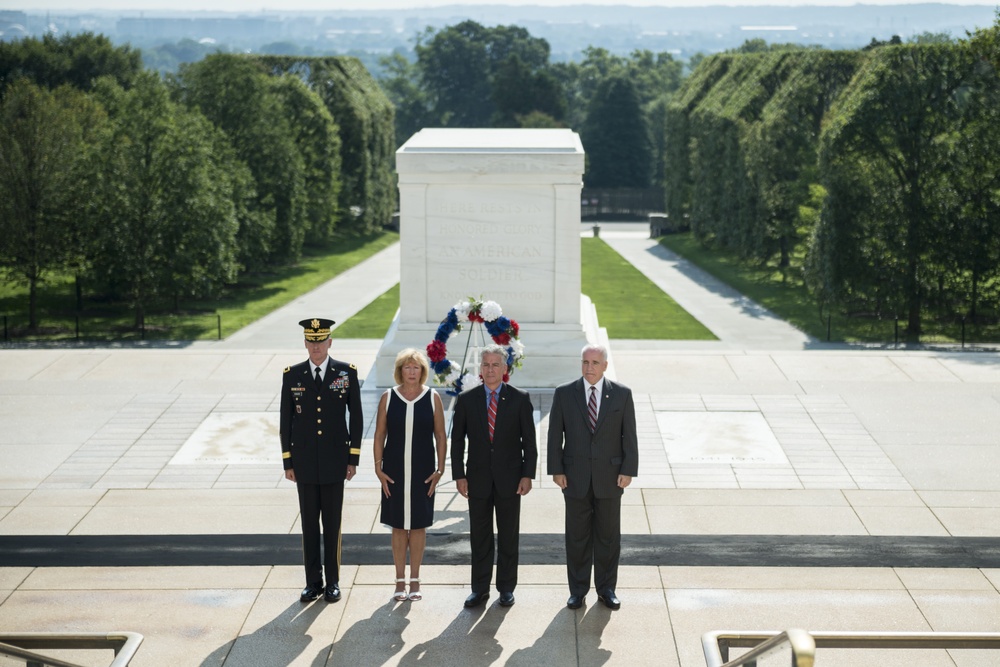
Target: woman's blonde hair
{"points": [[411, 354]]}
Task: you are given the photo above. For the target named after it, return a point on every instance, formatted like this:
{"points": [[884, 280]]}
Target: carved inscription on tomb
{"points": [[494, 242]]}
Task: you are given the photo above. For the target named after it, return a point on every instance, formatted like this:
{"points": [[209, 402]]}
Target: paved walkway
{"points": [[745, 451], [735, 320], [339, 298]]}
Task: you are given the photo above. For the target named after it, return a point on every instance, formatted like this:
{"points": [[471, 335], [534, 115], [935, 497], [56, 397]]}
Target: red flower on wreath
{"points": [[502, 330], [436, 351]]}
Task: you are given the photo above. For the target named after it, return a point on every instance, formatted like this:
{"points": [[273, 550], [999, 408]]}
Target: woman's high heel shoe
{"points": [[415, 596], [400, 596]]}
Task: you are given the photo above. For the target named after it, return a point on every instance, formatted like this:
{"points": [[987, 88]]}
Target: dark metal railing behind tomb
{"points": [[620, 203]]}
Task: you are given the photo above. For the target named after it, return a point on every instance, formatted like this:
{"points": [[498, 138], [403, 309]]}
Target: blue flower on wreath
{"points": [[504, 331]]}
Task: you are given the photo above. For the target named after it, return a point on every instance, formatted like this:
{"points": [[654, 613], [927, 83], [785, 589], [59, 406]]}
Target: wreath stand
{"points": [[477, 327], [470, 350]]}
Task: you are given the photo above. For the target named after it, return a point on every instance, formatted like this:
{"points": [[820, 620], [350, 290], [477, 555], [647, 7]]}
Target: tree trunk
{"points": [[914, 241], [913, 320], [975, 295], [913, 300], [33, 303], [913, 304]]}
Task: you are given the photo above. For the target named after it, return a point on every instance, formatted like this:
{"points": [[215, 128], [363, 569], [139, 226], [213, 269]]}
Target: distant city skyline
{"points": [[243, 7]]}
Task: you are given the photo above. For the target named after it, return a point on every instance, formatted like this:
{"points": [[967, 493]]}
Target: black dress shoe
{"points": [[574, 601], [332, 593], [610, 600], [477, 599], [506, 599], [311, 592]]}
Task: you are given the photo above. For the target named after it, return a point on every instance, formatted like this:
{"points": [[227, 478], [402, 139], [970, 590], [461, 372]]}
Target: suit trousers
{"points": [[508, 514], [593, 539], [321, 503]]}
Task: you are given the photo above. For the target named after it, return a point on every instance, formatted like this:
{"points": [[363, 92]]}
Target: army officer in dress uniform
{"points": [[321, 428]]}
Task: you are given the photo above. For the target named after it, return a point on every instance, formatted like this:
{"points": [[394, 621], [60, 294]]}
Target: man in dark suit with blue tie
{"points": [[496, 419], [321, 429], [593, 454]]}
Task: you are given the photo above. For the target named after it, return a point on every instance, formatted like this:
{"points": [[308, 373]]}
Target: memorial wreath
{"points": [[504, 332]]}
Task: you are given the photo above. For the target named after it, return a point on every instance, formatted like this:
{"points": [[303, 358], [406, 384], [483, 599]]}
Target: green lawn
{"points": [[628, 304], [789, 299], [260, 299], [374, 320], [255, 296]]}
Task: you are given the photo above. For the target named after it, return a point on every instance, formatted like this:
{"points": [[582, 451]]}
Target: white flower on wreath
{"points": [[490, 311], [462, 309], [518, 348], [471, 380], [456, 372]]}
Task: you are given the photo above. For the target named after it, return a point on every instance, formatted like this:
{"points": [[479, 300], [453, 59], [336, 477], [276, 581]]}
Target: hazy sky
{"points": [[244, 6]]}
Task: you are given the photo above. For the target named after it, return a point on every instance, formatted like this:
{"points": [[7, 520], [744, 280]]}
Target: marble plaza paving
{"points": [[759, 438]]}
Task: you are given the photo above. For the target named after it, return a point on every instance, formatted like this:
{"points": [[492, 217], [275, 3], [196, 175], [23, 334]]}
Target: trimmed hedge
{"points": [[367, 133]]}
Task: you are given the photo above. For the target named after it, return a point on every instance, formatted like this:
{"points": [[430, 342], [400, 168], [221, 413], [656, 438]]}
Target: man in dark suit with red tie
{"points": [[593, 454], [496, 419], [320, 448]]}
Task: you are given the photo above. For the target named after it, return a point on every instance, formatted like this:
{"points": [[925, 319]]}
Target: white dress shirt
{"points": [[322, 369], [600, 389]]}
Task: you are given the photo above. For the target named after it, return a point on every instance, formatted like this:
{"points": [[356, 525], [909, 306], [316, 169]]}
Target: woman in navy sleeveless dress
{"points": [[409, 461]]}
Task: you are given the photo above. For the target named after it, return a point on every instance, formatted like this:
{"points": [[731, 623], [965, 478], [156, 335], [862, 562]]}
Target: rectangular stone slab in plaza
{"points": [[493, 214]]}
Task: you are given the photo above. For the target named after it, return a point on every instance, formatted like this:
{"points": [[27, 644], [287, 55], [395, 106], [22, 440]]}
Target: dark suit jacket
{"points": [[512, 454], [317, 441], [598, 457]]}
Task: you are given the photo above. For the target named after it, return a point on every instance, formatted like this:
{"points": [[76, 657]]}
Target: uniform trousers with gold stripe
{"points": [[321, 503]]}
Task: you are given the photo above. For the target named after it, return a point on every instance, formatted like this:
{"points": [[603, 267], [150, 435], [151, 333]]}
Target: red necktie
{"points": [[592, 410], [492, 417]]}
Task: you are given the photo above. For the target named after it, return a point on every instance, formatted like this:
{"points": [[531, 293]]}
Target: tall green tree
{"points": [[166, 58], [782, 149], [615, 137], [971, 197], [365, 118], [986, 42], [165, 199], [455, 71], [518, 92], [316, 136], [401, 83], [459, 67], [724, 201], [653, 73], [679, 130], [74, 59], [238, 96], [44, 143], [890, 126]]}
